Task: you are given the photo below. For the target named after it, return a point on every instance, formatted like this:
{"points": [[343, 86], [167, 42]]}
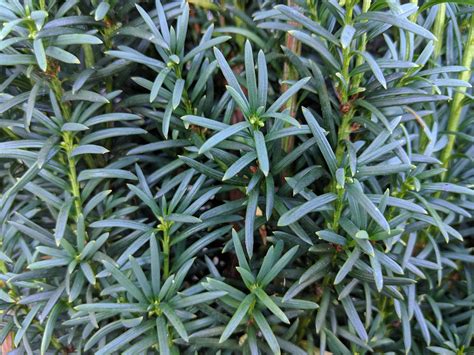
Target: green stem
{"points": [[166, 254], [187, 101], [343, 135], [240, 5], [54, 340], [438, 31], [107, 35], [456, 106], [68, 144], [362, 46], [348, 113], [312, 10], [289, 73], [413, 17], [10, 133], [88, 55], [344, 131]]}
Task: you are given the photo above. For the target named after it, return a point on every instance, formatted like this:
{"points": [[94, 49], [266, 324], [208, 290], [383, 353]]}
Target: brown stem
{"points": [[290, 73]]}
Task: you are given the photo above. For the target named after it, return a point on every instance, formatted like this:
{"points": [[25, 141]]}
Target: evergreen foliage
{"points": [[236, 177]]}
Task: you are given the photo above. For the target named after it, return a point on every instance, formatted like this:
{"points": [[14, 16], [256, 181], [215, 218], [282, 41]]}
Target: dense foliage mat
{"points": [[236, 177]]}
